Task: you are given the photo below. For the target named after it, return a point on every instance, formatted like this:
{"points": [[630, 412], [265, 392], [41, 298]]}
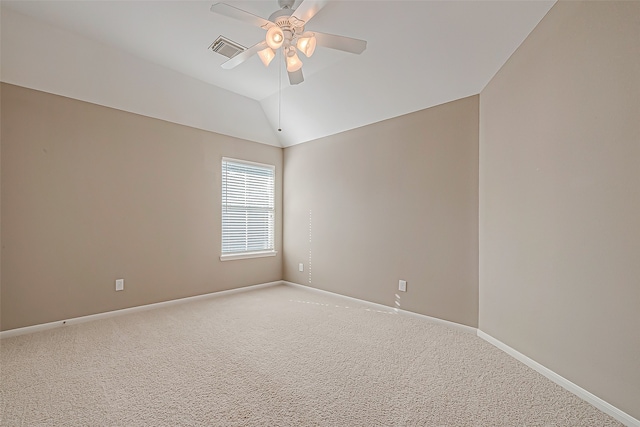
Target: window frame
{"points": [[229, 256]]}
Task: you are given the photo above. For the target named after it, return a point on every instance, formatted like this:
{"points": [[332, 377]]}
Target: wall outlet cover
{"points": [[119, 284], [402, 285]]}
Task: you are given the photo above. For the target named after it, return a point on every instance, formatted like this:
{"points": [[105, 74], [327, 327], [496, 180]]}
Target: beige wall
{"points": [[0, 202], [91, 194], [389, 201], [560, 199]]}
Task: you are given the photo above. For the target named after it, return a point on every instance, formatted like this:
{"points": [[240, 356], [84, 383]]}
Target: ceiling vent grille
{"points": [[226, 47]]}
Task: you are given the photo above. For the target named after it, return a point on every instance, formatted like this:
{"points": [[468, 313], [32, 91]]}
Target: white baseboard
{"points": [[82, 319], [605, 407], [459, 326]]}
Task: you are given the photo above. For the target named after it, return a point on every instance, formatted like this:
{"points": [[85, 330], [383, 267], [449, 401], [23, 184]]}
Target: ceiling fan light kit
{"points": [[267, 55], [286, 31], [293, 61], [307, 44], [275, 37]]}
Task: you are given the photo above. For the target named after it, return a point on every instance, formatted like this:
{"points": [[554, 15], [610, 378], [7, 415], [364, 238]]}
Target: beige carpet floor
{"points": [[279, 356]]}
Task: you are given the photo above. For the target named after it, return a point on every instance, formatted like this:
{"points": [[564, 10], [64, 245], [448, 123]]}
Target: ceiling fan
{"points": [[286, 30]]}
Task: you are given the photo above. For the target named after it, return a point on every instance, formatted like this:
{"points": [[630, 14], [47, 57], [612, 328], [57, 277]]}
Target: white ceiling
{"points": [[419, 54]]}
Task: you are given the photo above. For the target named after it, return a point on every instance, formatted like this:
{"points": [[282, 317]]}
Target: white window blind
{"points": [[247, 207]]}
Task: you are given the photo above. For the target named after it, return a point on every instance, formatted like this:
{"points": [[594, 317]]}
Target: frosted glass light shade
{"points": [[266, 55], [307, 44], [293, 61], [275, 37]]}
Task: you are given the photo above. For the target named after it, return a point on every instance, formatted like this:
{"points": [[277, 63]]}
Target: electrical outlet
{"points": [[402, 286], [119, 284], [301, 267]]}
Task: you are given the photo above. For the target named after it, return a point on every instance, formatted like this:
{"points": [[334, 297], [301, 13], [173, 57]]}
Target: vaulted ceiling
{"points": [[152, 58]]}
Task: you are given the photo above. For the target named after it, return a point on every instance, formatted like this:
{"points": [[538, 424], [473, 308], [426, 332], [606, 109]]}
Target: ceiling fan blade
{"points": [[243, 56], [241, 15], [296, 77], [307, 9], [343, 43]]}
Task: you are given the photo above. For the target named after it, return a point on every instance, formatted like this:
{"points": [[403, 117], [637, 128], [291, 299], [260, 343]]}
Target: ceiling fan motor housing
{"points": [[291, 30]]}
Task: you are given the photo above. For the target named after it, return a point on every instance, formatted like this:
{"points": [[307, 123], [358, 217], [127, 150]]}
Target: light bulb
{"points": [[266, 55], [307, 43], [293, 62], [275, 37]]}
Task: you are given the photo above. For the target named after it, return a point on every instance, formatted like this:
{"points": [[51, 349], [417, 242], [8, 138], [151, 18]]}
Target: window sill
{"points": [[247, 255]]}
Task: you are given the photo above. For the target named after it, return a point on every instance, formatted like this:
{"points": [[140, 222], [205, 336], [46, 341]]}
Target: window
{"points": [[247, 209]]}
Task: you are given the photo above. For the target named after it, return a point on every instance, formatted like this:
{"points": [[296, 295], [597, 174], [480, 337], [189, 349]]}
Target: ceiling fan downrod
{"points": [[286, 4]]}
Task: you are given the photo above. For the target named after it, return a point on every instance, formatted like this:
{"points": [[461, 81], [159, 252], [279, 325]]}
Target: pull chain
{"points": [[280, 91]]}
